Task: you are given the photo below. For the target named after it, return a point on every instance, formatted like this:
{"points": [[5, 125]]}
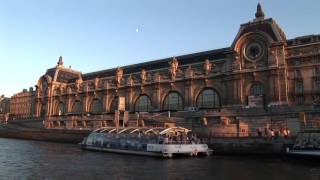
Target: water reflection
{"points": [[20, 159]]}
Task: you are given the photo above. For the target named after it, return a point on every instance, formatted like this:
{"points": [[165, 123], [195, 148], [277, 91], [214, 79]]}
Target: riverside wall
{"points": [[32, 130]]}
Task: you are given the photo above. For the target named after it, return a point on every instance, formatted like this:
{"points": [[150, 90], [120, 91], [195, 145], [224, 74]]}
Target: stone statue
{"points": [[173, 68], [236, 63], [60, 61], [143, 76], [119, 74], [207, 66], [189, 72], [78, 84], [130, 80], [157, 77], [96, 83]]}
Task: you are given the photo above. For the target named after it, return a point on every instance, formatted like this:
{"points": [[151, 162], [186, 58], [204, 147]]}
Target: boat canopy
{"points": [[144, 130]]}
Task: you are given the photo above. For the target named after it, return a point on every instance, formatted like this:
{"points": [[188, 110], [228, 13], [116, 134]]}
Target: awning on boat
{"points": [[144, 130], [174, 129]]}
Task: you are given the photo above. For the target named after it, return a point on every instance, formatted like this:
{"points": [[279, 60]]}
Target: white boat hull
{"points": [[159, 150], [315, 153]]}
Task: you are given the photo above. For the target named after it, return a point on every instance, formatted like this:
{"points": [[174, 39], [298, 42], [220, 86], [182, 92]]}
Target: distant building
{"points": [[4, 108], [22, 104], [4, 104], [262, 81]]}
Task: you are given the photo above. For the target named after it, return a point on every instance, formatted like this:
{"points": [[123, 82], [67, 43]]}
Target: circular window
{"points": [[254, 51]]}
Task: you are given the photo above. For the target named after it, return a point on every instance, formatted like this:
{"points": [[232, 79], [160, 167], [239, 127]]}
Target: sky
{"points": [[93, 35]]}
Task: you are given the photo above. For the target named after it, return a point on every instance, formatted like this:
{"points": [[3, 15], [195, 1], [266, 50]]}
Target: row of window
{"points": [[299, 86], [207, 99]]}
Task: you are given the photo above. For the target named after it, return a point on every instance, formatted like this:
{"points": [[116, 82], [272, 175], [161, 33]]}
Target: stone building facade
{"points": [[4, 108], [22, 105], [4, 104], [262, 81]]}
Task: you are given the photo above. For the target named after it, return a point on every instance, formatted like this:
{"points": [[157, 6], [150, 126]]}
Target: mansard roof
{"points": [[303, 40], [161, 63], [62, 74]]}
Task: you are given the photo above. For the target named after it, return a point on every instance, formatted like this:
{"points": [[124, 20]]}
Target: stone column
{"points": [[156, 99], [188, 93]]}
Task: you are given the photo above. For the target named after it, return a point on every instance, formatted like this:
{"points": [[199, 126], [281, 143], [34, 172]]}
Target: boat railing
{"points": [[308, 141]]}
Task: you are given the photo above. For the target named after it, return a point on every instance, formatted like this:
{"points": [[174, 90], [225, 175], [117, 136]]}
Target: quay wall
{"points": [[32, 130], [249, 146]]}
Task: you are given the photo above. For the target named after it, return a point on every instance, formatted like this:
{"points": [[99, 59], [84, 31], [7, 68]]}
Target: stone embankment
{"points": [[33, 130]]}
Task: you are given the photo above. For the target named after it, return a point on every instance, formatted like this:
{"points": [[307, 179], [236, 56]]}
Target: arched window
{"points": [[208, 98], [44, 87], [114, 104], [77, 107], [96, 106], [61, 109], [173, 101], [143, 104], [257, 89]]}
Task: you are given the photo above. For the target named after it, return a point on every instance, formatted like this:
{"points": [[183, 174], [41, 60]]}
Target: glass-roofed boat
{"points": [[163, 142]]}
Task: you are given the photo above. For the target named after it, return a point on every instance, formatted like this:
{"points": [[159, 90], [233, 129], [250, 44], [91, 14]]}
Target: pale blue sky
{"points": [[93, 35]]}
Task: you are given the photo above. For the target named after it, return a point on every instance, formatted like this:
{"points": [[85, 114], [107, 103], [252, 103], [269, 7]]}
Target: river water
{"points": [[22, 159]]}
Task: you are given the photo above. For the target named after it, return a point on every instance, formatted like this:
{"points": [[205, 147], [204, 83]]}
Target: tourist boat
{"points": [[163, 142], [307, 145]]}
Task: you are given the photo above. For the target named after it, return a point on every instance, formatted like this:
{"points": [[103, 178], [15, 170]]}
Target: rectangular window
{"points": [[299, 86], [300, 100], [317, 85], [317, 71]]}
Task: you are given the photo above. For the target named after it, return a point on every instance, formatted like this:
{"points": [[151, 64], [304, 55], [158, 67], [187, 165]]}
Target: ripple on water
{"points": [[21, 159]]}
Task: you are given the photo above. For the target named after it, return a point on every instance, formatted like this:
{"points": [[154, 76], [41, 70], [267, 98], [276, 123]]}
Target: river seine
{"points": [[22, 159]]}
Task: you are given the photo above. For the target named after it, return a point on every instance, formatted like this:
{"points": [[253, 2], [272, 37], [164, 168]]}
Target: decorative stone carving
{"points": [[236, 63], [189, 72], [157, 77], [207, 66], [60, 61], [96, 83], [69, 89], [143, 76], [271, 56], [61, 90], [173, 68], [78, 84], [118, 77], [130, 80]]}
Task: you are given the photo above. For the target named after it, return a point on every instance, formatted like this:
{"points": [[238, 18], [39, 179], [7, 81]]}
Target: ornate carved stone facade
{"points": [[22, 104], [262, 77], [4, 104], [4, 108]]}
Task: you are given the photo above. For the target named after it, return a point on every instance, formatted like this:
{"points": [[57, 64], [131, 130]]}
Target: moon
{"points": [[137, 30]]}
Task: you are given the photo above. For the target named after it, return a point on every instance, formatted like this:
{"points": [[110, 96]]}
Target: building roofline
{"points": [[180, 58]]}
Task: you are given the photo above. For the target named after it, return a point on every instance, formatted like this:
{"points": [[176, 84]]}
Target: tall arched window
{"points": [[61, 109], [208, 98], [257, 89], [173, 101], [114, 105], [143, 104], [77, 107], [96, 106]]}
